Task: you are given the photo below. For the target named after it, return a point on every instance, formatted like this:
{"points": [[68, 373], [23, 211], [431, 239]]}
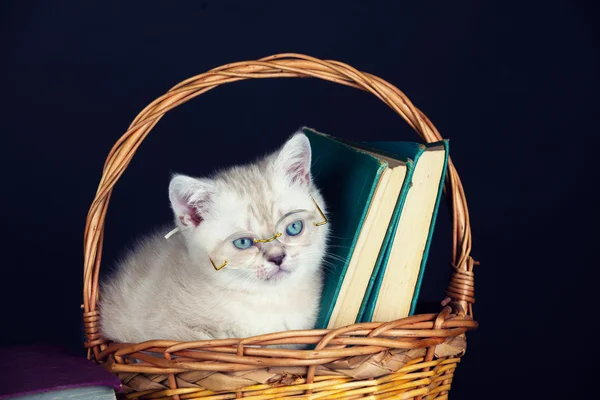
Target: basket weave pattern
{"points": [[413, 357]]}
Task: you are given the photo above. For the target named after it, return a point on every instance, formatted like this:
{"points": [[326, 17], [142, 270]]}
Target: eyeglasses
{"points": [[240, 249]]}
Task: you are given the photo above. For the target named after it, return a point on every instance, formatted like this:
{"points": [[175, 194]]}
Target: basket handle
{"points": [[460, 292]]}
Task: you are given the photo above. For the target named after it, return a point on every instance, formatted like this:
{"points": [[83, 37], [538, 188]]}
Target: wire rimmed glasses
{"points": [[240, 250]]}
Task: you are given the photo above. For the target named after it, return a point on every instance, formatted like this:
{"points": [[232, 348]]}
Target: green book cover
{"points": [[409, 152], [347, 178]]}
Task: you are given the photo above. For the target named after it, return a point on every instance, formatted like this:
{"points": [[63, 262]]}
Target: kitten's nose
{"points": [[277, 259]]}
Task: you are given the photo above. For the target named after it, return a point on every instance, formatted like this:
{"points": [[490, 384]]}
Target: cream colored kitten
{"points": [[169, 289]]}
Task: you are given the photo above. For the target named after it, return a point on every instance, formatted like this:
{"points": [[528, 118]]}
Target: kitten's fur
{"points": [[167, 288]]}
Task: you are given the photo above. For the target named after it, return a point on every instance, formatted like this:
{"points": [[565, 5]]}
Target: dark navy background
{"points": [[512, 85]]}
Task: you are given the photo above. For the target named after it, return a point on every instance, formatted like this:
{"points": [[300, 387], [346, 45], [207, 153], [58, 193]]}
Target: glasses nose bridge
{"points": [[268, 242], [271, 246], [268, 234]]}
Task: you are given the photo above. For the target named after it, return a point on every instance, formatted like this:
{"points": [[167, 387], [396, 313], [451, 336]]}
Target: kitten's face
{"points": [[253, 199], [258, 212]]}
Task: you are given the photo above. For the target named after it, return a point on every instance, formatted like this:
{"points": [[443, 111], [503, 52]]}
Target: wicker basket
{"points": [[411, 358]]}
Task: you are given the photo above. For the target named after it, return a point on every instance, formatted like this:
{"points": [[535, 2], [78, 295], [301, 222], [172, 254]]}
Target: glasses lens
{"points": [[238, 251], [297, 228]]}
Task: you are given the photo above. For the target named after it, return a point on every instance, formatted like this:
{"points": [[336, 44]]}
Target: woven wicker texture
{"points": [[409, 358]]}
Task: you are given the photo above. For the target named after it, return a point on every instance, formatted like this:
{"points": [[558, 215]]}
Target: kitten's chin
{"points": [[277, 276]]}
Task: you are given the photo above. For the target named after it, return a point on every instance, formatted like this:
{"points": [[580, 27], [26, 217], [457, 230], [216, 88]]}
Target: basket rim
{"points": [[386, 350]]}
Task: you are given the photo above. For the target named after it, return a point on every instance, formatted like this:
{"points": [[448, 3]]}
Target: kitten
{"points": [[169, 289]]}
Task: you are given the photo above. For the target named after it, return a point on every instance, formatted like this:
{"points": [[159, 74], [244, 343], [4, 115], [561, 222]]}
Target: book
{"points": [[85, 393], [45, 372], [396, 283], [361, 190]]}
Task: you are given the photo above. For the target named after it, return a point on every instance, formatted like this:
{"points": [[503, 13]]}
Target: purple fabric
{"points": [[26, 370]]}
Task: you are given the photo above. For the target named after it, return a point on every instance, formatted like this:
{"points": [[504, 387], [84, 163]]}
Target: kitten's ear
{"points": [[294, 160], [190, 198]]}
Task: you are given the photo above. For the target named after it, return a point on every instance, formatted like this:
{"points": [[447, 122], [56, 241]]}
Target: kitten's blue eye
{"points": [[294, 228], [243, 243]]}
